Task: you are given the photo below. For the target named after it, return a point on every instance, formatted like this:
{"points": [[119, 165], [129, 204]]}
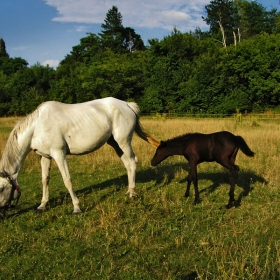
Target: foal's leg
{"points": [[60, 158], [233, 170], [45, 166], [192, 177], [124, 150], [233, 173], [189, 181]]}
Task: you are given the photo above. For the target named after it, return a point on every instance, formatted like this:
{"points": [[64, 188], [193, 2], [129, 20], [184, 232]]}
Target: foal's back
{"points": [[209, 147]]}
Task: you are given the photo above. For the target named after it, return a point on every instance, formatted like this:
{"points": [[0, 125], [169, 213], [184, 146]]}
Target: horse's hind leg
{"points": [[45, 166], [125, 152]]}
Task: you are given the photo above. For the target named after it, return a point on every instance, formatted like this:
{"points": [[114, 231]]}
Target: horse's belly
{"points": [[84, 145]]}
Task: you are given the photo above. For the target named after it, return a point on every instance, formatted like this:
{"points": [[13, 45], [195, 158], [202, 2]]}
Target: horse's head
{"points": [[160, 155], [9, 191]]}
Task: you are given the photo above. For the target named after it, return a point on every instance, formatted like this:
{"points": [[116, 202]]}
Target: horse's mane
{"points": [[181, 139], [12, 153], [26, 122]]}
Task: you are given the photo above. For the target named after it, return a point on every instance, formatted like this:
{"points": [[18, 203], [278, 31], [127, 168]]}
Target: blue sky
{"points": [[44, 31]]}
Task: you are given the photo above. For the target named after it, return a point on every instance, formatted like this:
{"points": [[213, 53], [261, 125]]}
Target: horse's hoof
{"points": [[77, 212], [3, 213], [40, 210], [132, 194]]}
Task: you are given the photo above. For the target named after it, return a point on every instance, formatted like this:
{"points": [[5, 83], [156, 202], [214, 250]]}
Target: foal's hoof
{"points": [[197, 201], [230, 205]]}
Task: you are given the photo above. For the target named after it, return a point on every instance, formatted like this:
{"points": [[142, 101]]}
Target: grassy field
{"points": [[159, 234]]}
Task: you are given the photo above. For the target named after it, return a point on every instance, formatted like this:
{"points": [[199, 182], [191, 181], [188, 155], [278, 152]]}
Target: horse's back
{"points": [[96, 111], [82, 127]]}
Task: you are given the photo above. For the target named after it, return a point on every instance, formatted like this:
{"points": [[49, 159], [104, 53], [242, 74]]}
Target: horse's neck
{"points": [[16, 150]]}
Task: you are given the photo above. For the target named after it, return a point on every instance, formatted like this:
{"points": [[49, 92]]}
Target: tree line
{"points": [[235, 66]]}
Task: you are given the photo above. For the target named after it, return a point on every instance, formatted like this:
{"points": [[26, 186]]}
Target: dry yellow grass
{"points": [[262, 137]]}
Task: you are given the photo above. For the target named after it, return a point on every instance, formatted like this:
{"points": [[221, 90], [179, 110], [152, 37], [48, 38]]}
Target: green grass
{"points": [[159, 234]]}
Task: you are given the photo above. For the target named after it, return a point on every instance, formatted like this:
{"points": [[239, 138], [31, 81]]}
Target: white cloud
{"points": [[146, 14], [51, 63], [20, 48], [81, 28]]}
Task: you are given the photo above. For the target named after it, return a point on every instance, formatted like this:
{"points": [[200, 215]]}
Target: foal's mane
{"points": [[12, 153], [181, 139]]}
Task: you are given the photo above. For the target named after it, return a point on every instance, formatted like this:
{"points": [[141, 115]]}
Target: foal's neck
{"points": [[176, 148]]}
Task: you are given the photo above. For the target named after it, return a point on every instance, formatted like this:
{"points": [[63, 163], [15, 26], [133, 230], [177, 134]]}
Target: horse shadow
{"points": [[161, 175]]}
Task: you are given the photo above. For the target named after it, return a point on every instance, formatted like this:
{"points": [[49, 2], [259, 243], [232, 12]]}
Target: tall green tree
{"points": [[3, 52], [112, 29], [116, 37]]}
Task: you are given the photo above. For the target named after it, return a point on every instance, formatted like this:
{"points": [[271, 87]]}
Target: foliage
{"points": [[182, 73]]}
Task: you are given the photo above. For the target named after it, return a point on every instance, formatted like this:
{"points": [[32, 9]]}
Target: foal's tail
{"points": [[244, 147], [139, 130]]}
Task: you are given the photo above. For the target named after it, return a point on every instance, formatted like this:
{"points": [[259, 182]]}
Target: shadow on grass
{"points": [[244, 180], [162, 175], [191, 276], [165, 174]]}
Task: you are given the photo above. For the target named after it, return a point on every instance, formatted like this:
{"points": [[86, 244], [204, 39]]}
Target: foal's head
{"points": [[161, 154]]}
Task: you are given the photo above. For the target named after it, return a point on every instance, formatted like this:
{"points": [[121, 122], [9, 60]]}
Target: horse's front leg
{"points": [[45, 166], [60, 158]]}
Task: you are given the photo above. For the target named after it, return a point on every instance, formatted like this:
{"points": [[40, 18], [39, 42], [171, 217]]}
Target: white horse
{"points": [[55, 130]]}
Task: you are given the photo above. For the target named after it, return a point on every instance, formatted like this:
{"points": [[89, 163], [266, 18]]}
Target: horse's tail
{"points": [[139, 130], [244, 147]]}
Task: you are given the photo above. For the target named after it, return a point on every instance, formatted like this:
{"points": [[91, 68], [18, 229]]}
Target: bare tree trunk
{"points": [[239, 35], [234, 37], [222, 30]]}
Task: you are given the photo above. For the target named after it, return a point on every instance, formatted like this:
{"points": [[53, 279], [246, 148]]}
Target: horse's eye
{"points": [[1, 189]]}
